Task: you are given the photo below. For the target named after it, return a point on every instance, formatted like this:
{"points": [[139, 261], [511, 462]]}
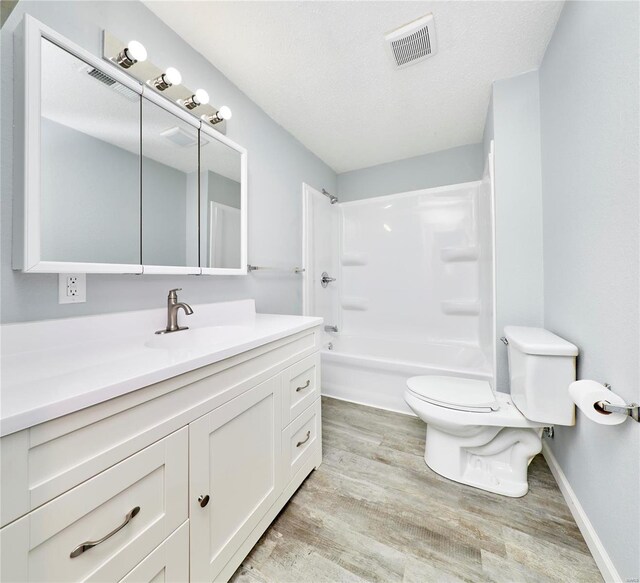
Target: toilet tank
{"points": [[541, 368]]}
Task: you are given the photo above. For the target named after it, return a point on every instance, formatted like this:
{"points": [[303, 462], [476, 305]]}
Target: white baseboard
{"points": [[600, 555], [326, 392]]}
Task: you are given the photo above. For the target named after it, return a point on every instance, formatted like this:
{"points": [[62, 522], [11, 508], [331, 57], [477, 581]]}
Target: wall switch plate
{"points": [[72, 288]]}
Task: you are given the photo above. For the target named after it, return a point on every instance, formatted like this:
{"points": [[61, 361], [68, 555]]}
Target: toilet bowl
{"points": [[486, 439]]}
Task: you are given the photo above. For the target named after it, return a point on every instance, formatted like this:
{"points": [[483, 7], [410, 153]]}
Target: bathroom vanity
{"points": [[131, 456]]}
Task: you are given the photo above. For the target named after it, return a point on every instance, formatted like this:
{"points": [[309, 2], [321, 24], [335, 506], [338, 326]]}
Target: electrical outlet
{"points": [[72, 288]]}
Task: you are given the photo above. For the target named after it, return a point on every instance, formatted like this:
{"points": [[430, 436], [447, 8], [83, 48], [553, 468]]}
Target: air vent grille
{"points": [[413, 47], [102, 77], [112, 83], [412, 42]]}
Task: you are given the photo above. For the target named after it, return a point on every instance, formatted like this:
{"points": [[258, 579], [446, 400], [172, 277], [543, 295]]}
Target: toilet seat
{"points": [[461, 394]]}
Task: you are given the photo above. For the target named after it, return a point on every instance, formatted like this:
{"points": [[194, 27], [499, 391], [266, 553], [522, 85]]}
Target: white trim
{"points": [[600, 555], [78, 267], [494, 282], [306, 251], [170, 270], [244, 181]]}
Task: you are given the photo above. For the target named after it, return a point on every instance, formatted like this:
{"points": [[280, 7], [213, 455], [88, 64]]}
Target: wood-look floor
{"points": [[374, 511]]}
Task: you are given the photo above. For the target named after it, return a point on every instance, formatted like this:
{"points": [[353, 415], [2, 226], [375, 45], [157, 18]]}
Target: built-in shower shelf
{"points": [[355, 304], [354, 259], [455, 254], [460, 307]]}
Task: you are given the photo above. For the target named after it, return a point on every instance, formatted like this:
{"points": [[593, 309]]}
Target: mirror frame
{"points": [[26, 247], [242, 270]]}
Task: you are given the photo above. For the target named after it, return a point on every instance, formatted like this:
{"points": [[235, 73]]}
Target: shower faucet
{"points": [[325, 280]]}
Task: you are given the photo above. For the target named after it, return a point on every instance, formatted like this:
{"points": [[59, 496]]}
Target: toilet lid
{"points": [[455, 393]]}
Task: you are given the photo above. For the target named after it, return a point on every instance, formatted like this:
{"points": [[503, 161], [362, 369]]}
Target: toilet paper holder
{"points": [[633, 410]]}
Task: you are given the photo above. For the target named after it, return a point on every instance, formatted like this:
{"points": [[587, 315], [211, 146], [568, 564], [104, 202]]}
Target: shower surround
{"points": [[414, 291]]}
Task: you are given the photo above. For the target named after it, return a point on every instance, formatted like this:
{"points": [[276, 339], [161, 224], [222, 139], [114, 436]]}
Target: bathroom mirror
{"points": [[223, 201], [115, 177], [89, 163], [169, 190]]}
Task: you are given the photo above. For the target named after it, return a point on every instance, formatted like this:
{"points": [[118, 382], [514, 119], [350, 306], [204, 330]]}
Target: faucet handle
{"points": [[172, 293]]}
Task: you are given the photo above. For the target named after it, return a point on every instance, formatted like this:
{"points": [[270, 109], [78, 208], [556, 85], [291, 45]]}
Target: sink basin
{"points": [[199, 339]]}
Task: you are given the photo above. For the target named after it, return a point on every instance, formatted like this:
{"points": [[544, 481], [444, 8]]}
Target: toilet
{"points": [[482, 438]]}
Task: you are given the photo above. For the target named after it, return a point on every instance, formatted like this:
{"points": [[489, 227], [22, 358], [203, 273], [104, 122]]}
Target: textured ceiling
{"points": [[321, 70]]}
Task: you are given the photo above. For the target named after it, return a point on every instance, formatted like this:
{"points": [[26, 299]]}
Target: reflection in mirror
{"points": [[220, 201], [90, 163], [169, 188]]}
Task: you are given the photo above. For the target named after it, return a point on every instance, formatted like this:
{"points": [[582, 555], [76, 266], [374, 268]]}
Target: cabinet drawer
{"points": [[131, 508], [300, 387], [169, 563], [301, 439]]}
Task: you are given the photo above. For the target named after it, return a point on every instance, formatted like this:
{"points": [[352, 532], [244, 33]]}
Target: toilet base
{"points": [[495, 459]]}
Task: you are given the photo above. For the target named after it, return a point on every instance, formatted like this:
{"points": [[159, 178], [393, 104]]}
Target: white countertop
{"points": [[55, 367]]}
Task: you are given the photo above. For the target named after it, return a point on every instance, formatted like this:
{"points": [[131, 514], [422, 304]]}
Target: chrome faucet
{"points": [[173, 305]]}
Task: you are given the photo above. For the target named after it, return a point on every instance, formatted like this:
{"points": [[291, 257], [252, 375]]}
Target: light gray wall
{"points": [[90, 198], [223, 190], [590, 152], [278, 164], [453, 166], [519, 271]]}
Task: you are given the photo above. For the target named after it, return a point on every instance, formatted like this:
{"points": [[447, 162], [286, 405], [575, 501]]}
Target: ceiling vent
{"points": [[110, 82], [179, 137], [412, 42]]}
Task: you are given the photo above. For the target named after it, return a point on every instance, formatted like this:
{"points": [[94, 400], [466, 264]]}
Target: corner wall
{"points": [[590, 183], [453, 166], [278, 165], [513, 121]]}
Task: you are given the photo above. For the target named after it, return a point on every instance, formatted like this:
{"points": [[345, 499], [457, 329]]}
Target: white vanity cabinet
{"points": [[175, 481]]}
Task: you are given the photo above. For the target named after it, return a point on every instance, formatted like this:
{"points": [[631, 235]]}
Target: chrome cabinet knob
{"points": [[203, 500]]}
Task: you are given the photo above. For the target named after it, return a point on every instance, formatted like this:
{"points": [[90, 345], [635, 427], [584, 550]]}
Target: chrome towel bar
{"points": [[276, 269]]}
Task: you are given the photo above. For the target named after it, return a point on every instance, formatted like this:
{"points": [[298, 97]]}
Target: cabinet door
{"points": [[235, 460]]}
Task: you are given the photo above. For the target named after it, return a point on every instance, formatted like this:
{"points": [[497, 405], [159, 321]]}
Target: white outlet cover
{"points": [[72, 288]]}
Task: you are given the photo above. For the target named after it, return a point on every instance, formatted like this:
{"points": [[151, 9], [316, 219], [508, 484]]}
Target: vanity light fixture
{"points": [[200, 97], [222, 114], [133, 53], [169, 78]]}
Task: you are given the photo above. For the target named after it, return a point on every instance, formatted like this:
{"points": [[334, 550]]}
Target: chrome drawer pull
{"points": [[304, 440], [303, 387], [81, 548]]}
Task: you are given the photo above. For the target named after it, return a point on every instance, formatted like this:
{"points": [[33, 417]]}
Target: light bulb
{"points": [[136, 51], [169, 78], [172, 76], [131, 54], [224, 112], [201, 97]]}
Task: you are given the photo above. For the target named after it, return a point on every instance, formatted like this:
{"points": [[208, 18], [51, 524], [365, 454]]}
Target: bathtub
{"points": [[374, 371]]}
